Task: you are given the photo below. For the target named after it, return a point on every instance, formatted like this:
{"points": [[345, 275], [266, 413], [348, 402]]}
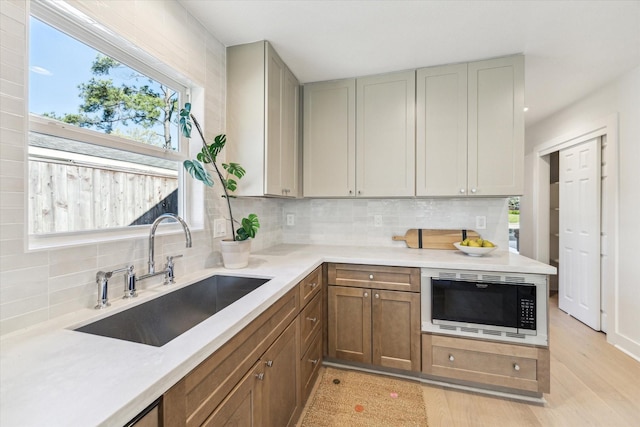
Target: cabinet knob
{"points": [[462, 191], [359, 192], [313, 285], [313, 361], [312, 319], [377, 295], [260, 376], [366, 294], [451, 358], [350, 192], [371, 277], [269, 363], [516, 367], [473, 190]]}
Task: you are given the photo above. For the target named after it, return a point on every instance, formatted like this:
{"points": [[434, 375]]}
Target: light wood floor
{"points": [[592, 384]]}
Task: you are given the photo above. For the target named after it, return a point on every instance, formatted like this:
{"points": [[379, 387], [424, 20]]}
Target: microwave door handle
{"points": [[481, 285]]}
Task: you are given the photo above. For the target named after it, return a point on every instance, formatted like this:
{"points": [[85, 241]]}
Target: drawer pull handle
{"points": [[516, 367], [313, 361], [269, 363], [451, 358], [260, 376], [312, 319], [371, 277]]}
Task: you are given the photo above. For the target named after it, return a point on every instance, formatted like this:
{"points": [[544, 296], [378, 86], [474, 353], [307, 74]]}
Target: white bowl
{"points": [[474, 251]]}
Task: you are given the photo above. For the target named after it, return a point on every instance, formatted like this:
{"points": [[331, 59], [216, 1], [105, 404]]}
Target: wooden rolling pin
{"points": [[419, 238]]}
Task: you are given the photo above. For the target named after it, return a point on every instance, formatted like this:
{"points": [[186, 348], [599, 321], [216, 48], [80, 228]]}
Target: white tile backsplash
{"points": [[351, 221]]}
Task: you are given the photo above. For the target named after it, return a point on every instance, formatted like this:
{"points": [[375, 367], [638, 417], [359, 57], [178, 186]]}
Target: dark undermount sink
{"points": [[158, 321]]}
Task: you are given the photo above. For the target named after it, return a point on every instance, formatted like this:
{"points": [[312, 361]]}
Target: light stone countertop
{"points": [[51, 375]]}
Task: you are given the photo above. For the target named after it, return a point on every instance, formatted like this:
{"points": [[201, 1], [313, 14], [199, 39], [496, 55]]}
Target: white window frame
{"points": [[83, 28]]}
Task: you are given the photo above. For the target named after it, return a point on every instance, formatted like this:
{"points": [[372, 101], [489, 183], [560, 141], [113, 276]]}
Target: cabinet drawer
{"points": [[310, 365], [310, 322], [375, 276], [498, 364], [310, 286]]}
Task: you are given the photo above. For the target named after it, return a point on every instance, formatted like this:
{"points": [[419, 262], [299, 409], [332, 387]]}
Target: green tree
{"points": [[108, 107]]}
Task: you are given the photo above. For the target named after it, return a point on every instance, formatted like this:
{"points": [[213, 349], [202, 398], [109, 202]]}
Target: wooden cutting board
{"points": [[422, 238]]}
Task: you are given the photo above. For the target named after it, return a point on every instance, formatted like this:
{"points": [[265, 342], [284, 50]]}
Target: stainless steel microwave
{"points": [[501, 306]]}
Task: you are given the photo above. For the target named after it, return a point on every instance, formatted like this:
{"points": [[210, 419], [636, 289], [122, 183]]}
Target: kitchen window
{"points": [[104, 147]]}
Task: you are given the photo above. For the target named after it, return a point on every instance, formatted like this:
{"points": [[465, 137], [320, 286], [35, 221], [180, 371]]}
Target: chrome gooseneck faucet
{"points": [[152, 237]]}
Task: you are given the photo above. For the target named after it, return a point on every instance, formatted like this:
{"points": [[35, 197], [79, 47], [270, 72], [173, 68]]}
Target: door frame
{"points": [[540, 198]]}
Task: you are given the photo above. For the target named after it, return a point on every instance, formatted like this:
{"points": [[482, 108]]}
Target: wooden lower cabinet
{"points": [[374, 326], [256, 378], [491, 363], [280, 400], [243, 406]]}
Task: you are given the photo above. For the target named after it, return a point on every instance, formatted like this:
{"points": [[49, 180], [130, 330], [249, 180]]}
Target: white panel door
{"points": [[579, 278]]}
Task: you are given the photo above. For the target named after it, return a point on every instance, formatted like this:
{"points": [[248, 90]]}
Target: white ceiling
{"points": [[572, 47]]}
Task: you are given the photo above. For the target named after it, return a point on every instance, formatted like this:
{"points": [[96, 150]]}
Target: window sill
{"points": [[62, 240]]}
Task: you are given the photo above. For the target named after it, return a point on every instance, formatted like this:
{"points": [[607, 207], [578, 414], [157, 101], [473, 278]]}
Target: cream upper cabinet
{"points": [[262, 120], [359, 137], [329, 139], [470, 129], [385, 135], [441, 131], [496, 127]]}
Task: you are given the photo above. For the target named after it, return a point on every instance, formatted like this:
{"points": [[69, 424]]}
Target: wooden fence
{"points": [[65, 197]]}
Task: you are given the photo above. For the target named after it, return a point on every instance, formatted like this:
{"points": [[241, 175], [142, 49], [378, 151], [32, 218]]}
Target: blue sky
{"points": [[54, 77]]}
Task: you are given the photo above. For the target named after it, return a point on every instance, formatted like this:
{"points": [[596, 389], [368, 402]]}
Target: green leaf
{"points": [[197, 171], [250, 225], [185, 120], [234, 169], [231, 184]]}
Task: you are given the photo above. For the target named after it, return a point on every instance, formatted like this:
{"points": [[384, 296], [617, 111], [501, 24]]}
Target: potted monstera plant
{"points": [[235, 252]]}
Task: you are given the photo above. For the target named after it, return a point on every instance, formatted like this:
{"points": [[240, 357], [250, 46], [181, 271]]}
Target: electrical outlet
{"points": [[481, 222], [291, 220], [377, 220], [219, 228]]}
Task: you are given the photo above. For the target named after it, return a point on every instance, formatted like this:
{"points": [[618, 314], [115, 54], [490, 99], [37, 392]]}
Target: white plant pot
{"points": [[235, 254]]}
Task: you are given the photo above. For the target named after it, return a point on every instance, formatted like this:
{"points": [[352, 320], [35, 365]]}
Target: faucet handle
{"points": [[169, 276], [130, 283]]}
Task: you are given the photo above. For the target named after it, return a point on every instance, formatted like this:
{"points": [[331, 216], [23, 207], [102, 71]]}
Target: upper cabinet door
{"points": [[441, 131], [329, 139], [274, 96], [385, 136], [496, 127], [289, 149]]}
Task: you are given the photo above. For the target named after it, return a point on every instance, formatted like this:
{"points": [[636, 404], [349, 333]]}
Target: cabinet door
{"points": [[289, 147], [396, 329], [349, 322], [329, 139], [274, 99], [441, 131], [281, 372], [385, 136], [243, 406], [496, 127]]}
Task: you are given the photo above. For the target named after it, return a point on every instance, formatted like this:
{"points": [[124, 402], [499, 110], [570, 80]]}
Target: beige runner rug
{"points": [[353, 398]]}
